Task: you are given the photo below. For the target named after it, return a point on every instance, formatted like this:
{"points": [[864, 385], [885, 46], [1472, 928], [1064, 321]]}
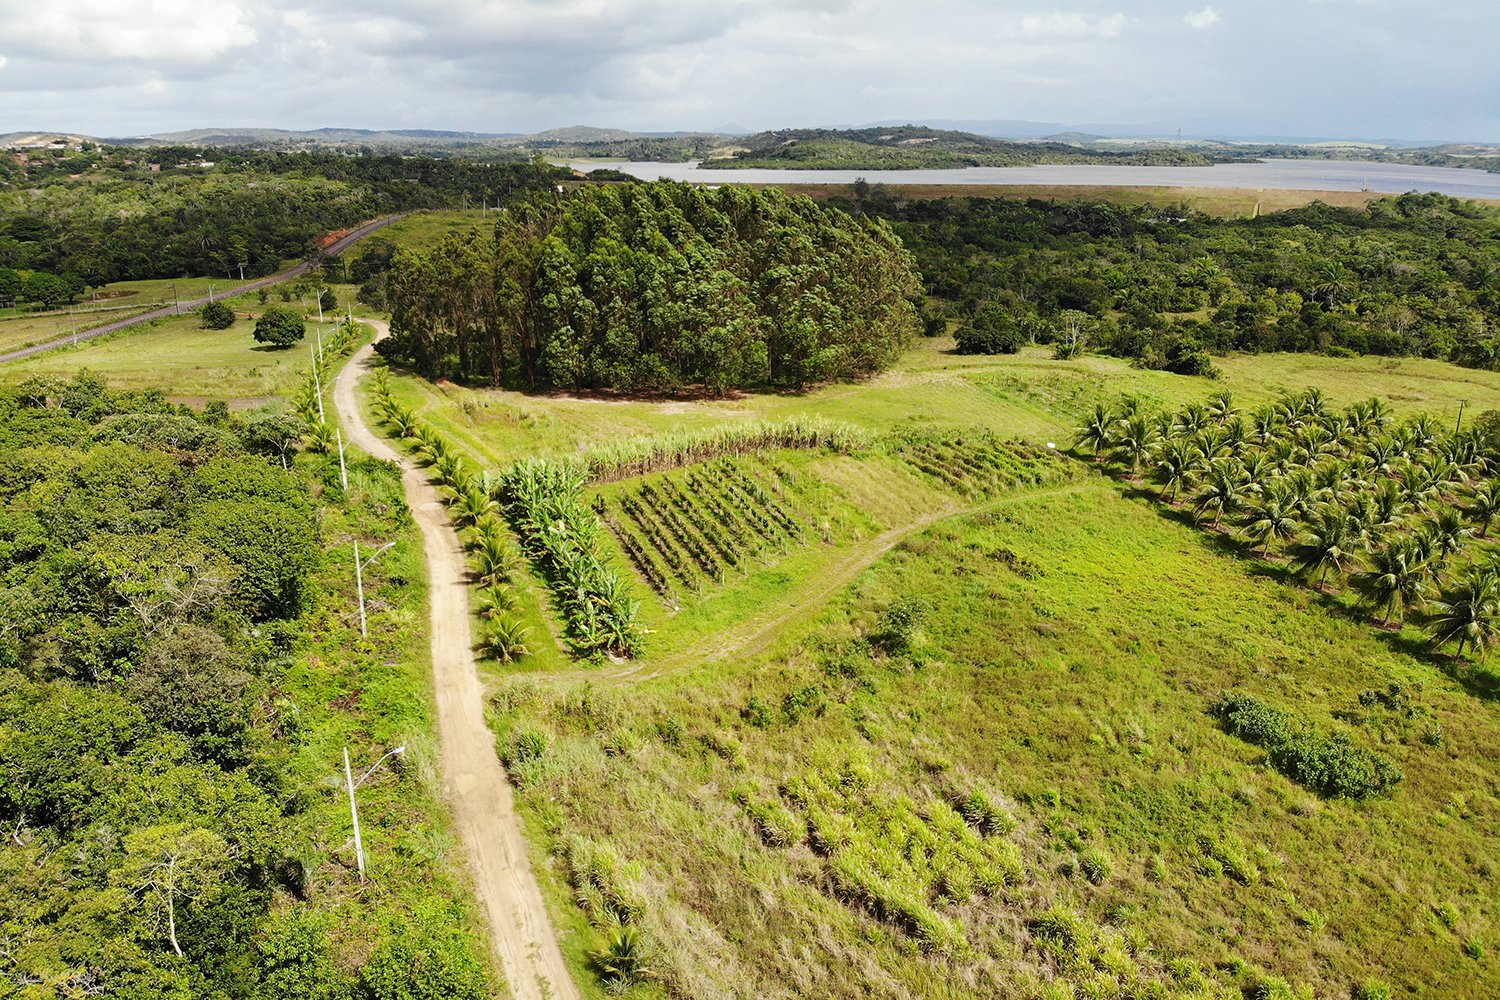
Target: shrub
{"points": [[1328, 763], [425, 956], [280, 326], [216, 316], [901, 622], [525, 745], [991, 332], [1373, 989], [1096, 866]]}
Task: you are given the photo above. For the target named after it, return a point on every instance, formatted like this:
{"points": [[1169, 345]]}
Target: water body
{"points": [[1287, 175]]}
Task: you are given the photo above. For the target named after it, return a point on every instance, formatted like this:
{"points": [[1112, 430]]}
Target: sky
{"points": [[1341, 69]]}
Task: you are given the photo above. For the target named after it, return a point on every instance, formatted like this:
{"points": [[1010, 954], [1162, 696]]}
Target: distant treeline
{"points": [[1410, 275], [105, 215], [657, 286]]}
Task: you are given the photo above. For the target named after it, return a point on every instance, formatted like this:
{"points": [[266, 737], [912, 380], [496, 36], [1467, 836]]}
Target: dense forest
{"points": [[156, 570], [657, 287], [1410, 275], [112, 214]]}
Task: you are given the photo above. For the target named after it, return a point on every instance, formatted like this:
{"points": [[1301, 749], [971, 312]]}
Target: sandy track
{"points": [[475, 782]]}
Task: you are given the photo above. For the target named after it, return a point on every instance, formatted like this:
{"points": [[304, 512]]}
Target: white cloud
{"points": [[1201, 19], [1060, 25], [170, 31]]}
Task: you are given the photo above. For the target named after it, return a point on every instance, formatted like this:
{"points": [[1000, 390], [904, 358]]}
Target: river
{"points": [[1290, 175]]}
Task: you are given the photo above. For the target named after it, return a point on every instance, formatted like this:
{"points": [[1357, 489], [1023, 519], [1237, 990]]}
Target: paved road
{"points": [[336, 247], [476, 786]]}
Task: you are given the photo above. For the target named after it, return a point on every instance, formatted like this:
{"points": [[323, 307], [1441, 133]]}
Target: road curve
{"points": [[336, 247], [475, 783]]}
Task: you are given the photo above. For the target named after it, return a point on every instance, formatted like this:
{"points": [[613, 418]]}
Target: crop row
{"points": [[702, 523], [544, 501], [979, 464], [645, 455]]}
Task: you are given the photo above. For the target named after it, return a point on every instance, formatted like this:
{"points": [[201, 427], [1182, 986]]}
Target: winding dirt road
{"points": [[475, 783]]}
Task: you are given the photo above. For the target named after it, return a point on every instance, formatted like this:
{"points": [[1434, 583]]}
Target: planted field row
{"points": [[564, 536], [979, 464], [645, 455], [682, 530]]}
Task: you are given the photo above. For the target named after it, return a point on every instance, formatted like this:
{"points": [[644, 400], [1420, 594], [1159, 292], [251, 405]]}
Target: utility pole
{"points": [[210, 293], [242, 274], [351, 784], [176, 304], [359, 583], [74, 319], [343, 471], [318, 386], [1461, 404]]}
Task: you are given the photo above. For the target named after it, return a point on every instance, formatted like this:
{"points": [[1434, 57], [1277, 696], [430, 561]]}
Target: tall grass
{"points": [[639, 456]]}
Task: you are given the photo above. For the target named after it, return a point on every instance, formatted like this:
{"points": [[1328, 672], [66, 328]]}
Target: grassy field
{"points": [[1026, 395], [1075, 642], [187, 361], [1073, 694], [421, 230]]}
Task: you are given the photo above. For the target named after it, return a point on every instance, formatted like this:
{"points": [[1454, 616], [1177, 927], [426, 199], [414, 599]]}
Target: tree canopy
{"points": [[657, 287]]}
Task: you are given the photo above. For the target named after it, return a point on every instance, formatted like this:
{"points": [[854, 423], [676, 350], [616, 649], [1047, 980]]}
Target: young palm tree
{"points": [[1221, 406], [1264, 425], [1134, 443], [1483, 505], [1193, 418], [1176, 464], [496, 602], [1445, 537], [1389, 506], [1271, 519], [469, 502], [1469, 612], [1098, 430], [495, 560], [1223, 491], [1396, 582], [1332, 545], [505, 640]]}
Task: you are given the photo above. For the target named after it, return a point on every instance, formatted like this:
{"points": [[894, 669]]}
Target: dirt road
{"points": [[475, 783], [338, 246]]}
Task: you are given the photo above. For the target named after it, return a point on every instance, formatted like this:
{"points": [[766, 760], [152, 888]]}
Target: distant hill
{"points": [[918, 147]]}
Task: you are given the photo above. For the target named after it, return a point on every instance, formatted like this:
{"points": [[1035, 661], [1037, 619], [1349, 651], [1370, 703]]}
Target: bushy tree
{"points": [[992, 331], [280, 326], [217, 316]]}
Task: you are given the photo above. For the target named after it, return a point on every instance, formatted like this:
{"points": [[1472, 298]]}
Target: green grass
{"points": [[1076, 643], [1079, 695], [422, 230], [184, 360]]}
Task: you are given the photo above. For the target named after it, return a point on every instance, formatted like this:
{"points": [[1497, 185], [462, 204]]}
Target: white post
{"points": [[359, 850], [74, 320], [343, 470], [318, 385], [359, 584]]}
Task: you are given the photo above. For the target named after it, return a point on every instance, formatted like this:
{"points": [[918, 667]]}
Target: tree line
{"points": [[1416, 274], [122, 221], [656, 287]]}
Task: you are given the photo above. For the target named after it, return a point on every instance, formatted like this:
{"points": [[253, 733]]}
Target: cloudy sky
{"points": [[1371, 69]]}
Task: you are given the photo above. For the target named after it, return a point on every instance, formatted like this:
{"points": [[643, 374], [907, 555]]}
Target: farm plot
{"points": [[686, 529], [980, 464]]}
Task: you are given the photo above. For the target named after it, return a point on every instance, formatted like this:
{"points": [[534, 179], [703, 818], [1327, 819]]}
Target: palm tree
{"points": [[1264, 425], [1193, 418], [1469, 612], [505, 640], [1333, 282], [1134, 442], [1331, 545], [469, 502], [496, 602], [1098, 430], [1223, 491], [495, 560], [1272, 519], [1176, 463], [1389, 506], [1396, 581], [1445, 537], [1483, 505], [1221, 406]]}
